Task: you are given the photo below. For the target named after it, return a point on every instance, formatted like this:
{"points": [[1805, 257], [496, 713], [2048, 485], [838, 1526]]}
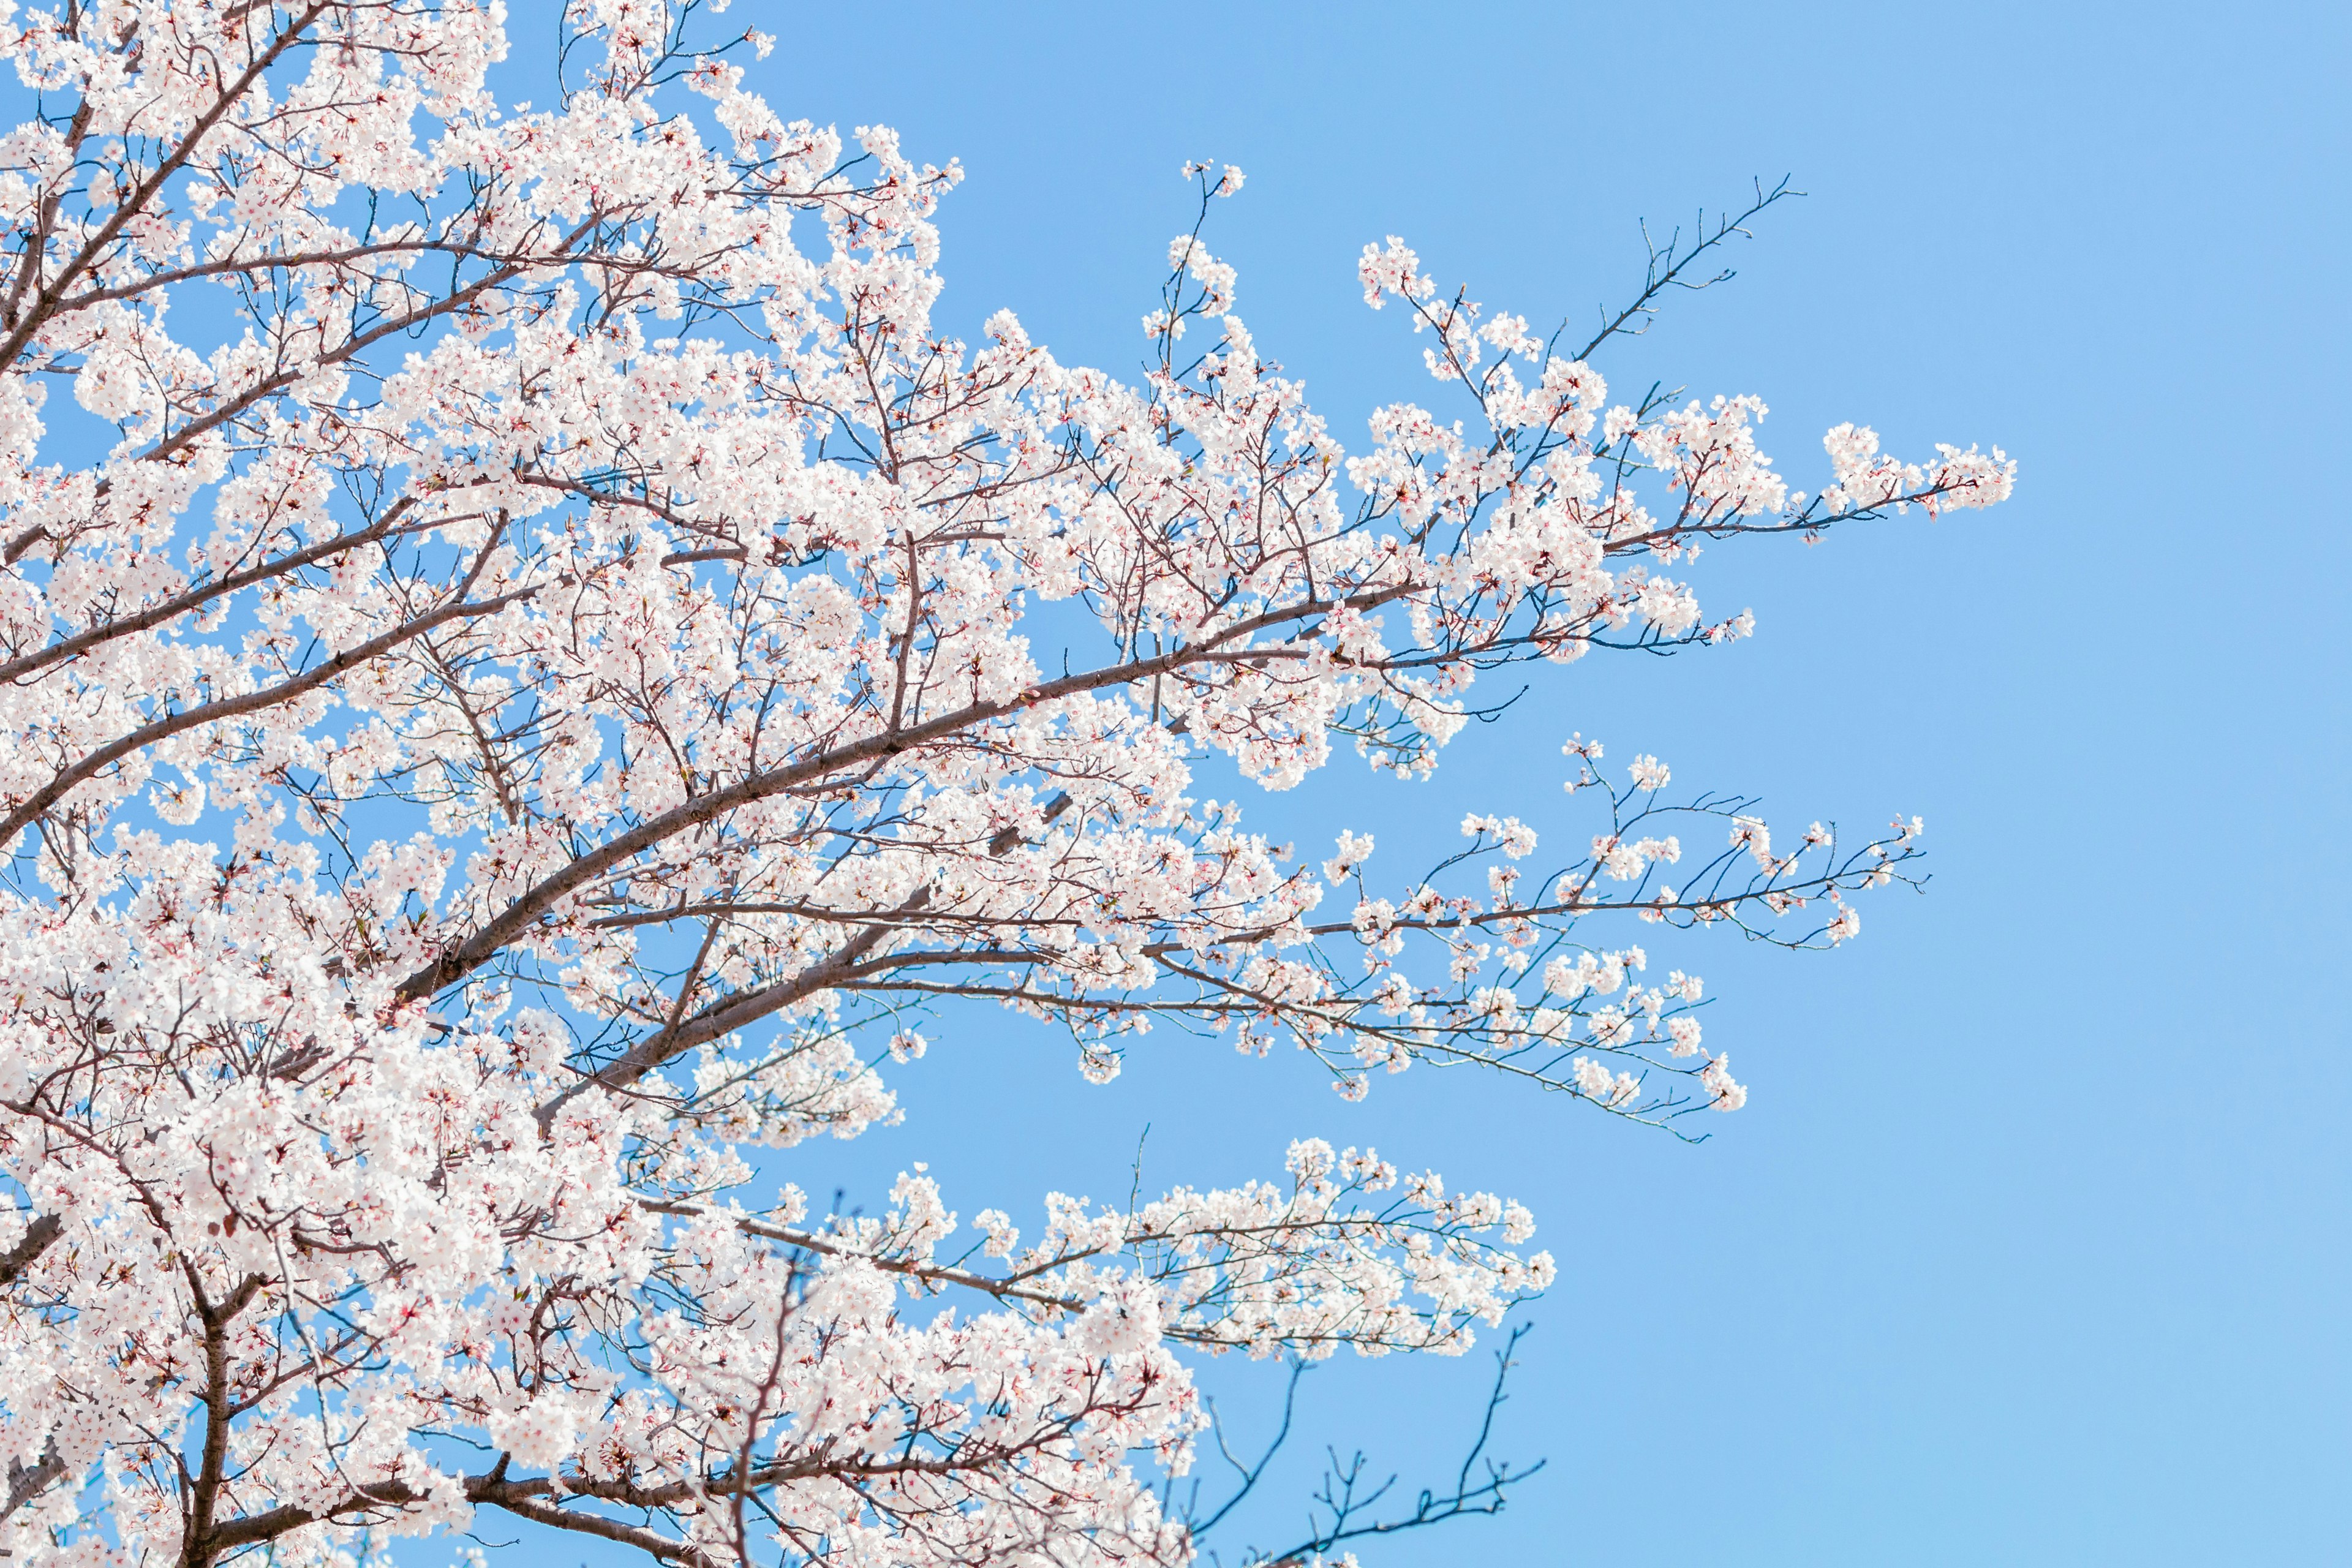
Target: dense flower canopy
{"points": [[534, 670]]}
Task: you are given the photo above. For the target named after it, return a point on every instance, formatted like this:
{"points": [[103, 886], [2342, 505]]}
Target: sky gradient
{"points": [[2030, 1247]]}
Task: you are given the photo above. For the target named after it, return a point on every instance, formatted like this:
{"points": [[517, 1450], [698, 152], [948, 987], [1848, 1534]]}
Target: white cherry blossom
{"points": [[561, 682]]}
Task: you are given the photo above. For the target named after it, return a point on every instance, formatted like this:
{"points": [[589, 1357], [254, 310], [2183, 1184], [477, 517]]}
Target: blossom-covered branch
{"points": [[525, 686]]}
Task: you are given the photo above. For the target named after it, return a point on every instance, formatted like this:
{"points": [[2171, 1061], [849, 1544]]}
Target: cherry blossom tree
{"points": [[535, 672]]}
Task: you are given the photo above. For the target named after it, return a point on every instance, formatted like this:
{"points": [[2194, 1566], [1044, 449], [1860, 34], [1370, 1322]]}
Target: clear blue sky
{"points": [[2031, 1247]]}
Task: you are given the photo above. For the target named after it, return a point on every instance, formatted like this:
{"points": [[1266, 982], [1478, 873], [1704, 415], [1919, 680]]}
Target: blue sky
{"points": [[2030, 1247]]}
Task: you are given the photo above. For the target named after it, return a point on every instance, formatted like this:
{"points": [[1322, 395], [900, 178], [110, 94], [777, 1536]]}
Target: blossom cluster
{"points": [[550, 703]]}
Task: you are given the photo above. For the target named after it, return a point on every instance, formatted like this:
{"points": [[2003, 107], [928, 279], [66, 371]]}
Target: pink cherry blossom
{"points": [[551, 703]]}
